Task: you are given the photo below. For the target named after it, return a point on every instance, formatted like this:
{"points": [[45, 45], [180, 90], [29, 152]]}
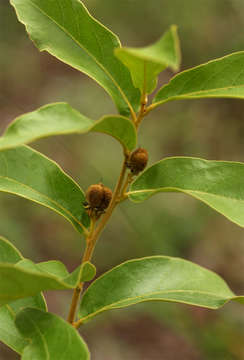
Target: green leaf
{"points": [[146, 63], [120, 128], [54, 267], [87, 271], [27, 173], [51, 267], [73, 279], [21, 278], [52, 338], [26, 279], [8, 252], [66, 30], [218, 184], [62, 119], [9, 334], [220, 78], [155, 278], [59, 271]]}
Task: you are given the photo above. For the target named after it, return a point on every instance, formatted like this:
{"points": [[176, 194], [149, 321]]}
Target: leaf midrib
{"points": [[89, 54], [133, 300], [182, 190], [45, 196], [199, 92], [42, 338], [43, 275]]}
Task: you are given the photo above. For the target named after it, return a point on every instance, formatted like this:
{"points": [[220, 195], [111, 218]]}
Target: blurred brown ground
{"points": [[175, 225]]}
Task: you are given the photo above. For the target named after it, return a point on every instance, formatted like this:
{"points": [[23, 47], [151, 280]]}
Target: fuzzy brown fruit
{"points": [[137, 161], [98, 198]]}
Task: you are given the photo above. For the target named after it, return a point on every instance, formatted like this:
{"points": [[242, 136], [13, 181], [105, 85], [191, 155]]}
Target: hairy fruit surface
{"points": [[138, 161]]}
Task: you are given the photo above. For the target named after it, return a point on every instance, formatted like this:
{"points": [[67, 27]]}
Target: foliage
{"points": [[65, 29]]}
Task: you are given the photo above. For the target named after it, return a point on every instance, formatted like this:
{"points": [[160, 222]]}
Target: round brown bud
{"points": [[94, 195], [138, 161], [98, 198], [107, 196]]}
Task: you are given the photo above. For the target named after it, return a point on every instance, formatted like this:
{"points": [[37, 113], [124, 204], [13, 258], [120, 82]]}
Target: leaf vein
{"points": [[113, 305], [46, 197], [89, 54], [42, 338], [182, 190]]}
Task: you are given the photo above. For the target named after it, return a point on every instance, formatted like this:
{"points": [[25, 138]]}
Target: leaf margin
{"points": [[82, 226], [119, 304], [116, 38], [93, 126], [187, 192], [156, 102]]}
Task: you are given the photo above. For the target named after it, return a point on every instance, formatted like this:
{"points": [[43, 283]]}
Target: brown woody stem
{"points": [[92, 239], [118, 195]]}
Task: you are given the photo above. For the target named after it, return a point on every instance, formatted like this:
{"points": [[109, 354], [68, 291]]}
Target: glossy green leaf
{"points": [[220, 78], [57, 269], [155, 278], [62, 119], [218, 184], [26, 279], [74, 278], [52, 338], [66, 30], [21, 278], [53, 267], [27, 173], [9, 334], [120, 128], [146, 63], [87, 271]]}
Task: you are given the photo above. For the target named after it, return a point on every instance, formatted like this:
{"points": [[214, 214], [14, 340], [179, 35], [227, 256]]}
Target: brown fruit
{"points": [[95, 195], [138, 161], [98, 198], [107, 196]]}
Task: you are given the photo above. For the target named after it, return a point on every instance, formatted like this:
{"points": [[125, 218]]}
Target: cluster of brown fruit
{"points": [[98, 196]]}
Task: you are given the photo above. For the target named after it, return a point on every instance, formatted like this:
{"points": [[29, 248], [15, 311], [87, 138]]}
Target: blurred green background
{"points": [[168, 224]]}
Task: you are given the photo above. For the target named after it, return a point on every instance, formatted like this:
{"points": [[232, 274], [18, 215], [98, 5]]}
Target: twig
{"points": [[92, 238]]}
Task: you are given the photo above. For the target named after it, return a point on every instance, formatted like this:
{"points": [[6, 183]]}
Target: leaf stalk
{"points": [[119, 195]]}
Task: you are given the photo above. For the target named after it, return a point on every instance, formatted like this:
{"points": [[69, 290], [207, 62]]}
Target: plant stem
{"points": [[92, 239], [79, 288], [144, 100], [74, 303], [118, 195], [126, 184], [150, 108]]}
